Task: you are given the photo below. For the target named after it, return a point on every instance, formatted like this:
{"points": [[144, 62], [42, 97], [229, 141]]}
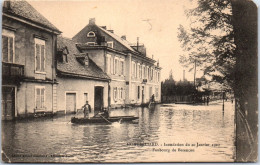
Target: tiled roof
{"points": [[23, 9], [119, 39], [73, 66], [125, 43]]}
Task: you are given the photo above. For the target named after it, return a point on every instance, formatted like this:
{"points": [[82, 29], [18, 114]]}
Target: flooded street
{"points": [[159, 131]]}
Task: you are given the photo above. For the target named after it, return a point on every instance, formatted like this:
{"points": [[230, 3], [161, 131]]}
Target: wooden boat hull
{"points": [[108, 120]]}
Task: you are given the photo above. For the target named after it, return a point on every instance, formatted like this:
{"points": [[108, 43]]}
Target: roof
{"points": [[125, 43], [73, 66], [119, 39], [23, 9]]}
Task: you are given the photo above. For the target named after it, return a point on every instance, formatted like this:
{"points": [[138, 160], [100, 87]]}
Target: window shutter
{"points": [[38, 95], [123, 94], [107, 64], [11, 53], [4, 48], [38, 62], [123, 67], [111, 65], [114, 66], [42, 97], [42, 58]]}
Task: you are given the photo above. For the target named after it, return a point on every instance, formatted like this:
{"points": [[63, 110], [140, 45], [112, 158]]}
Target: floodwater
{"points": [[164, 133]]}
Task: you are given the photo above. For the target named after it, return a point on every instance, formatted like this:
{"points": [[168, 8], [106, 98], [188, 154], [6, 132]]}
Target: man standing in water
{"points": [[86, 110], [207, 100]]}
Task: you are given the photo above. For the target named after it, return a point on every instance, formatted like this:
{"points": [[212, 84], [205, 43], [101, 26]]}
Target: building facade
{"points": [[134, 76], [79, 80], [46, 74], [28, 55]]}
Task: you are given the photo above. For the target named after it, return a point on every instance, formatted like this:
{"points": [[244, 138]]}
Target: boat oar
{"points": [[74, 116], [105, 119]]}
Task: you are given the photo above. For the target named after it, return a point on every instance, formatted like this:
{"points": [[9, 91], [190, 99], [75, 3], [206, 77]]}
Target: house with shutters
{"points": [[28, 60], [134, 76], [79, 79]]}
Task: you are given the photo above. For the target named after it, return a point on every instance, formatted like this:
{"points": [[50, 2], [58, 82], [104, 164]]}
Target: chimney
{"points": [[86, 60], [92, 21], [158, 63], [104, 27], [123, 37], [111, 31]]}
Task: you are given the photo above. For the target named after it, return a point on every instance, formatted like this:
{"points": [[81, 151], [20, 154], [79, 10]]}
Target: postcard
{"points": [[97, 81]]}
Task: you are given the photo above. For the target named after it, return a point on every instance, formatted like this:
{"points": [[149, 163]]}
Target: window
{"points": [[115, 93], [91, 34], [39, 97], [111, 65], [110, 44], [136, 71], [116, 66], [155, 75], [108, 63], [122, 93], [119, 93], [133, 66], [85, 97], [122, 67], [156, 92], [91, 43], [140, 71], [152, 74], [39, 55], [138, 92], [8, 54], [144, 68], [158, 77], [148, 71]]}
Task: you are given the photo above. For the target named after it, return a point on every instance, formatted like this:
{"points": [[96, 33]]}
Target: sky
{"points": [[155, 22]]}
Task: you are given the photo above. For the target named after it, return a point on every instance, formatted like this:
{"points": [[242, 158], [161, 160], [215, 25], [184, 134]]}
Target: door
{"points": [[142, 94], [8, 103], [98, 99], [70, 103]]}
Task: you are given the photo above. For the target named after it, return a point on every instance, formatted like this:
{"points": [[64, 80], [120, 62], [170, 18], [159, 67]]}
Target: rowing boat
{"points": [[101, 119]]}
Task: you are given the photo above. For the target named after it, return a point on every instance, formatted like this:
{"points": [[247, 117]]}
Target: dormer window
{"points": [[63, 54], [91, 34], [110, 44]]}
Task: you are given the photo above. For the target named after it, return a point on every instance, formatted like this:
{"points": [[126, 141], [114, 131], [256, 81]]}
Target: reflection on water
{"points": [[57, 140]]}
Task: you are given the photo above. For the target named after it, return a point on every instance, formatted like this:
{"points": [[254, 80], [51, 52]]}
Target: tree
{"points": [[209, 43], [222, 41]]}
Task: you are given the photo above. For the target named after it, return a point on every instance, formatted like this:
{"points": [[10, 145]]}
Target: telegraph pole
{"points": [[195, 73]]}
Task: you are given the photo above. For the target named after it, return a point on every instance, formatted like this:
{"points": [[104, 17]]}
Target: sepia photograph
{"points": [[129, 81]]}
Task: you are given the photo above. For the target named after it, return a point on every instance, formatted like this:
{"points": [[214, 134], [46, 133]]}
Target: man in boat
{"points": [[86, 110], [105, 112]]}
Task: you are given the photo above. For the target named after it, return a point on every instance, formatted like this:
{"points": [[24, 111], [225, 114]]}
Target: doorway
{"points": [[70, 103], [142, 94], [98, 99], [8, 103]]}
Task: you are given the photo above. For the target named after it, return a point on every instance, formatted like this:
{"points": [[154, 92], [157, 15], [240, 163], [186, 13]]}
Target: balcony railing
{"points": [[12, 71]]}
